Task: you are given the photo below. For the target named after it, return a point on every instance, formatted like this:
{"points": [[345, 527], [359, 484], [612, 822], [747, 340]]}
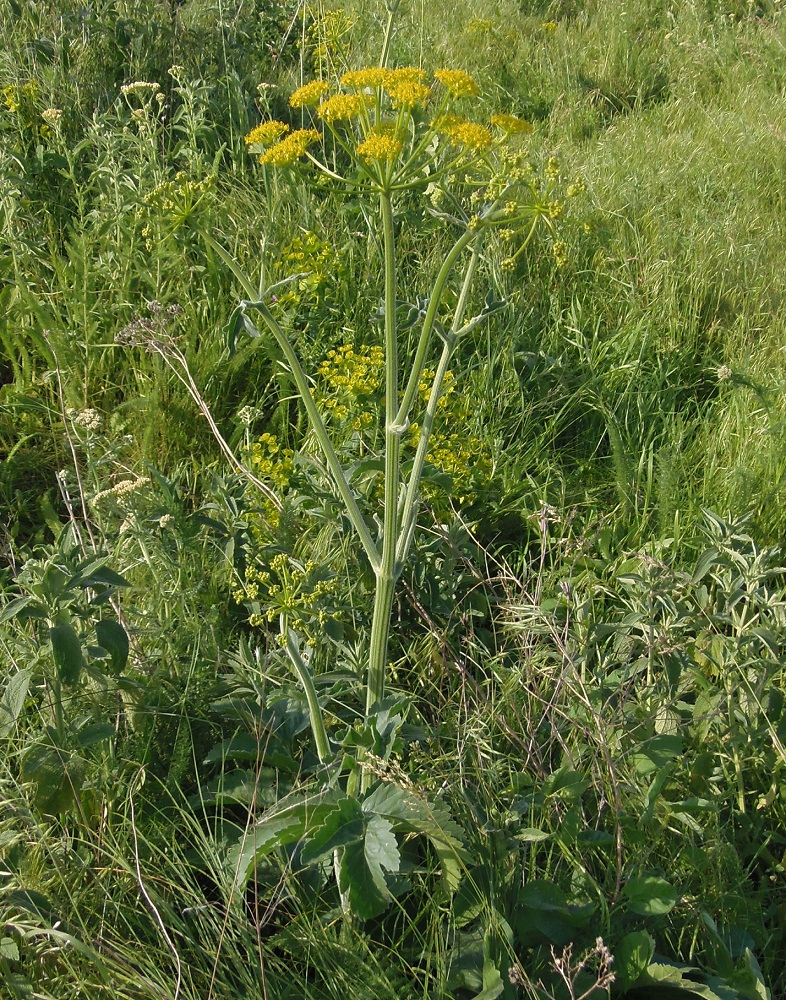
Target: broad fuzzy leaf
{"points": [[113, 638], [406, 811], [342, 826], [13, 701], [650, 896], [362, 880], [67, 651]]}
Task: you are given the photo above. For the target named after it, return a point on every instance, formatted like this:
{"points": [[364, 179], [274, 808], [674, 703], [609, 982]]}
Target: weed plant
{"points": [[583, 733]]}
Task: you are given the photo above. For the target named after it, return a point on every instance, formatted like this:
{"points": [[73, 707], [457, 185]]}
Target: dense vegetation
{"points": [[574, 784]]}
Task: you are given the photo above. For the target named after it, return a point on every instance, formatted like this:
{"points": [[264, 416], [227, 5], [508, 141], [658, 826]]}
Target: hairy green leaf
{"points": [[67, 651], [13, 701]]}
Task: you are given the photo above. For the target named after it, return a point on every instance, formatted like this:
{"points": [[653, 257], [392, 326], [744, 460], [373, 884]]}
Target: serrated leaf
{"points": [[363, 882], [650, 896], [67, 652], [114, 639], [283, 825], [430, 819], [381, 844], [9, 949], [341, 826], [13, 701]]}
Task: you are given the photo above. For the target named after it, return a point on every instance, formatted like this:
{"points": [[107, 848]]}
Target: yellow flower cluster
{"points": [[291, 147], [407, 93], [470, 134], [448, 387], [266, 133], [341, 107], [352, 379], [510, 124], [459, 83], [270, 460], [309, 95], [285, 586], [381, 143], [360, 79]]}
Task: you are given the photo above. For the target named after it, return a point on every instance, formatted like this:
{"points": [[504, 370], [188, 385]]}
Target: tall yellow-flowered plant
{"points": [[380, 133]]}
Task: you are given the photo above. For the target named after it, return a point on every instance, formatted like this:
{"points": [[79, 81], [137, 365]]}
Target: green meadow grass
{"points": [[590, 630]]}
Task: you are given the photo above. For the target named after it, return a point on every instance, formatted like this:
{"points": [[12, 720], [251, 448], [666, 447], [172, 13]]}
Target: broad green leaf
{"points": [[493, 985], [99, 732], [341, 826], [655, 753], [545, 915], [407, 811], [242, 746], [632, 956], [283, 825], [532, 836], [264, 837], [9, 950], [95, 573], [113, 638], [58, 775], [14, 609], [13, 701], [650, 896], [381, 845], [67, 651], [363, 882]]}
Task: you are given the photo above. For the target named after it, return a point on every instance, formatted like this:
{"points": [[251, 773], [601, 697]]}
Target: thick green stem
{"points": [[428, 325], [307, 683], [387, 572], [412, 491]]}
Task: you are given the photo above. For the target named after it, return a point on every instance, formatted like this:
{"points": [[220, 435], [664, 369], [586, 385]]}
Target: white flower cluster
{"points": [[52, 116], [89, 419], [122, 489]]}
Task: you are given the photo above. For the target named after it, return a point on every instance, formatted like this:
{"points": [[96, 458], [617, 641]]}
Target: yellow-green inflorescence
{"points": [[391, 123]]}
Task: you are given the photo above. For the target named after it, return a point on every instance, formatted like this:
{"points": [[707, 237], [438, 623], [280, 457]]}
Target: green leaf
{"points": [[9, 949], [67, 651], [104, 576], [114, 639], [493, 985], [14, 609], [242, 746], [632, 956], [363, 882], [381, 845], [13, 701], [432, 820], [544, 914], [58, 775], [532, 836], [99, 732], [650, 896], [284, 824], [655, 753], [341, 826]]}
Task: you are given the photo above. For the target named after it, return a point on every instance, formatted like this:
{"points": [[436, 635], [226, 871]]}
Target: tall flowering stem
{"points": [[396, 132]]}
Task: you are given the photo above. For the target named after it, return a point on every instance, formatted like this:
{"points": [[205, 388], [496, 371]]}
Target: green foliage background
{"points": [[591, 628]]}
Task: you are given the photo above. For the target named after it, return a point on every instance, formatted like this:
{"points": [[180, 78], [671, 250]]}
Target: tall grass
{"points": [[594, 660]]}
